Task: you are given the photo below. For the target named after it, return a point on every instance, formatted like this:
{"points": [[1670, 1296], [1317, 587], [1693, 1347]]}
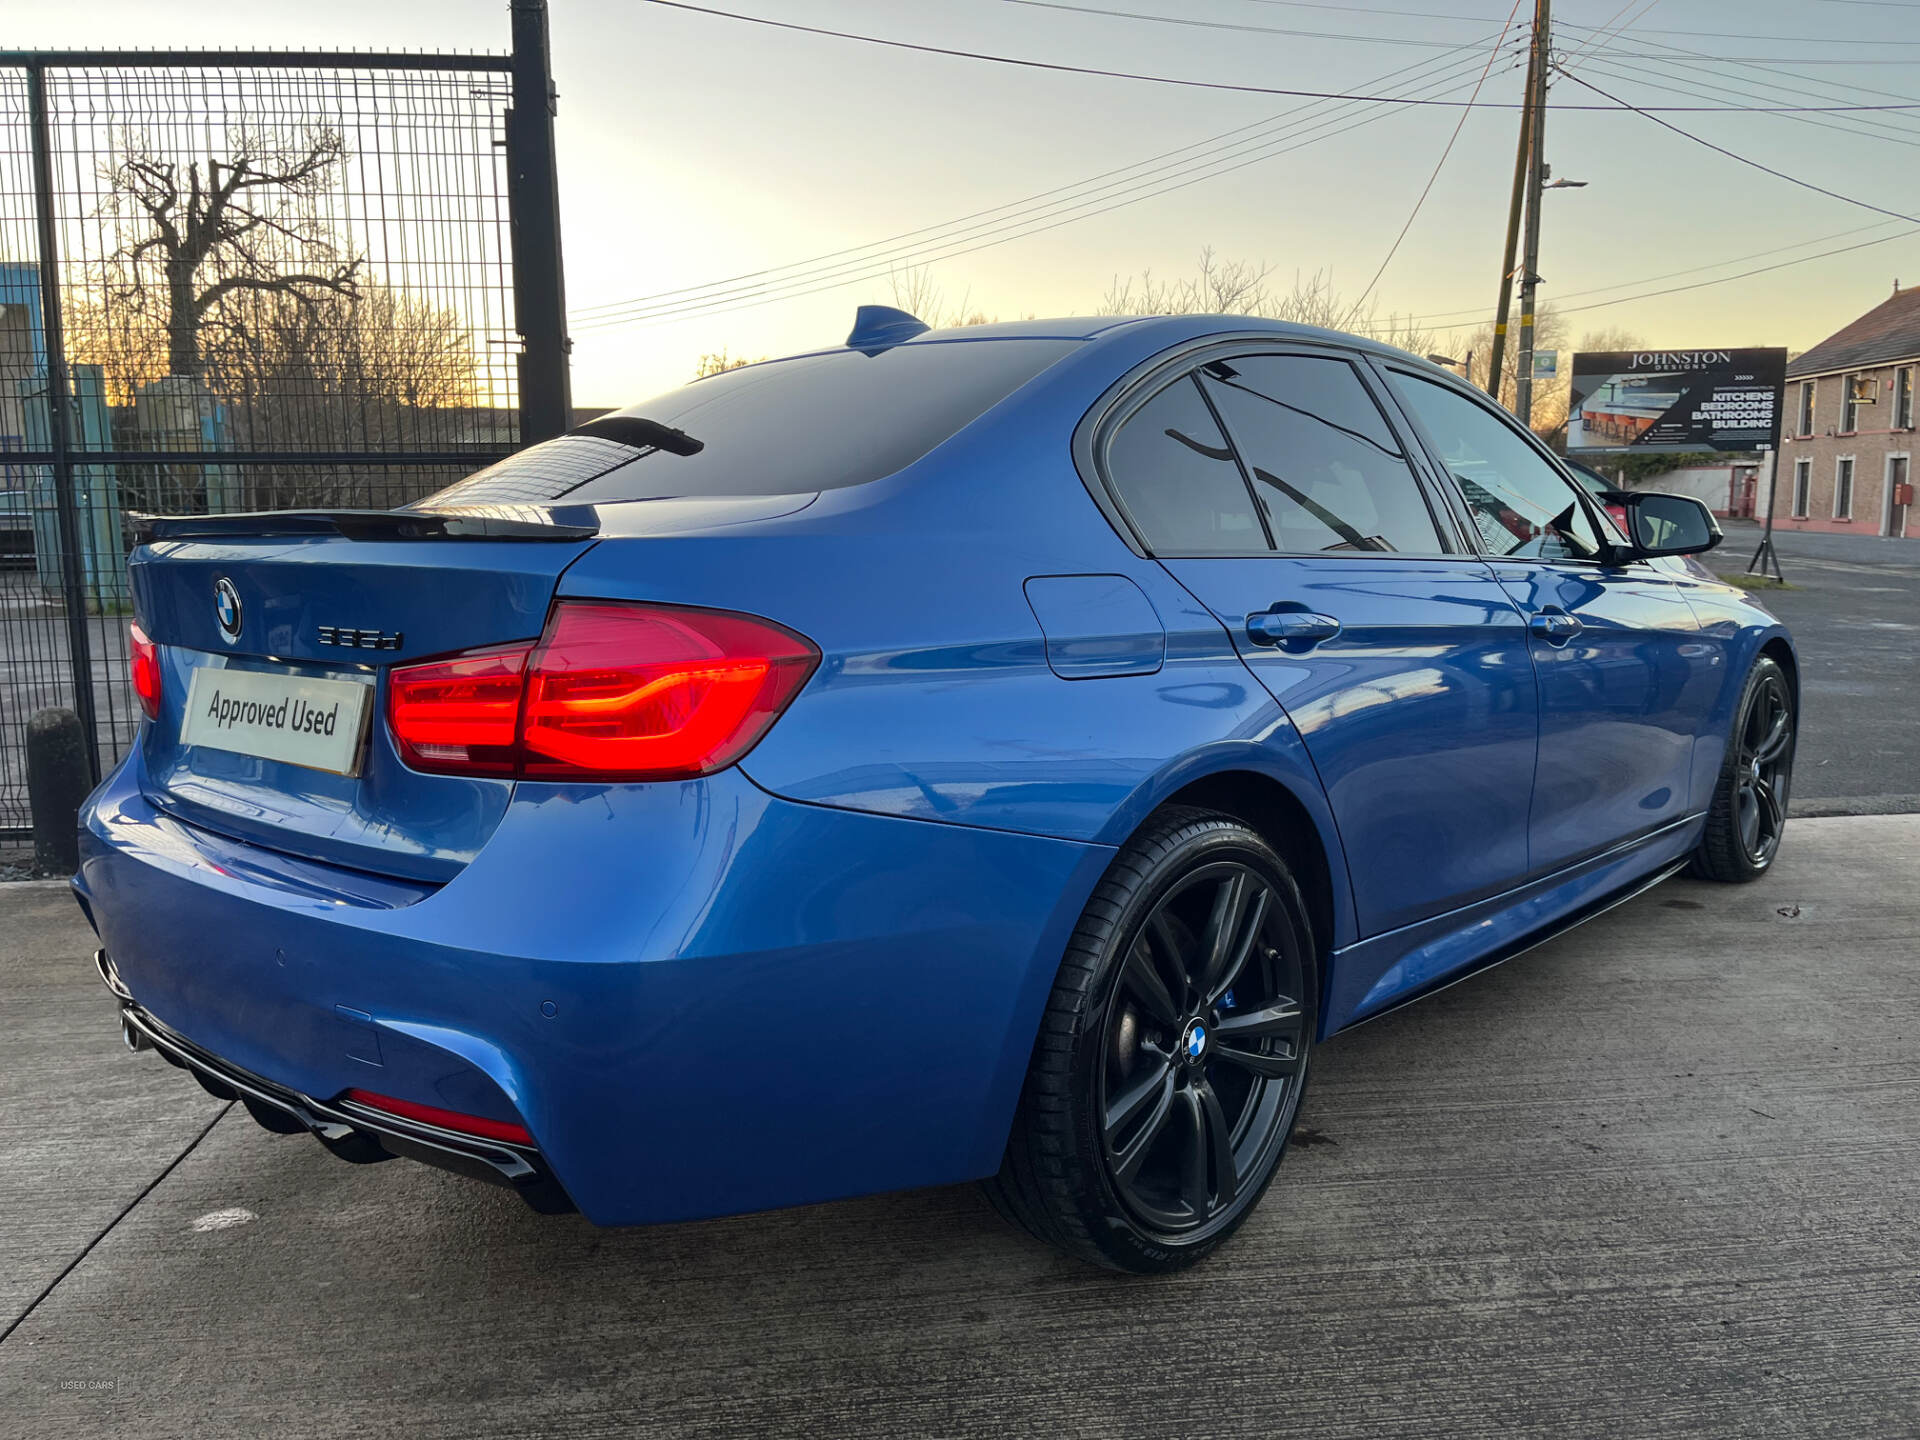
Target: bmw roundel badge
{"points": [[226, 608], [1196, 1041]]}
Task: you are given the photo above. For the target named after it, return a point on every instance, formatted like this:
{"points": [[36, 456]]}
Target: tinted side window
{"points": [[1520, 504], [1325, 465], [786, 427], [1170, 467]]}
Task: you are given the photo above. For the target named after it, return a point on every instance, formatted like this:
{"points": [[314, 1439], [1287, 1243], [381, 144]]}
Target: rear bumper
{"points": [[699, 999], [353, 1132]]}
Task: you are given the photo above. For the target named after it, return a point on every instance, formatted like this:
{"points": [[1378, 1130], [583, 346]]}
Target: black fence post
{"points": [[57, 786], [533, 208], [59, 415]]}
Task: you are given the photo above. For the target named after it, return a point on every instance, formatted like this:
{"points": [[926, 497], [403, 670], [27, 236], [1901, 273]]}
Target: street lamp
{"points": [[1543, 180]]}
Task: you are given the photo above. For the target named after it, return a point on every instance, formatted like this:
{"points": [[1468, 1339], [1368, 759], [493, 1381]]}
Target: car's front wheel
{"points": [[1173, 1053], [1748, 817]]}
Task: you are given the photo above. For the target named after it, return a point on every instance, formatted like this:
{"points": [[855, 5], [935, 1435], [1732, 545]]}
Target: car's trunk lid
{"points": [[337, 596]]}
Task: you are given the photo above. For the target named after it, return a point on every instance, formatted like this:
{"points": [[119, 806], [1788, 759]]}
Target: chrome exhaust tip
{"points": [[109, 976], [132, 1038]]}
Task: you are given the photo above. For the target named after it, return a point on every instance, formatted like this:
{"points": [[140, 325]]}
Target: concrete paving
{"points": [[1655, 1179]]}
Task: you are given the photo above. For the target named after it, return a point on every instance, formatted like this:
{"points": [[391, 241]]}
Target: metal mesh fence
{"points": [[260, 282], [347, 234]]}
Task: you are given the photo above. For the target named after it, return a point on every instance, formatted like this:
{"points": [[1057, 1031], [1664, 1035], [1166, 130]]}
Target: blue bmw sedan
{"points": [[993, 754]]}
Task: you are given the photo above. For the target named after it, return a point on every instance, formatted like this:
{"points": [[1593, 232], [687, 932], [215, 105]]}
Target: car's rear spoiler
{"points": [[490, 522]]}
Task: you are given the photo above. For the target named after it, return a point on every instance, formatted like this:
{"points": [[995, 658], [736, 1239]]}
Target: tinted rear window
{"points": [[817, 422]]}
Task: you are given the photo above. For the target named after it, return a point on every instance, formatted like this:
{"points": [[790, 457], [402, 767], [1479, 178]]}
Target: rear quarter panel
{"points": [[935, 699]]}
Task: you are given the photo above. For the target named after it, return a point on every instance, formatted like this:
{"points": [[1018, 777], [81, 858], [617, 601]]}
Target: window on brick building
{"points": [[1802, 487], [1843, 488]]}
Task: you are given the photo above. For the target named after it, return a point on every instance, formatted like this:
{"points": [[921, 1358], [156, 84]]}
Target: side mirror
{"points": [[1660, 524]]}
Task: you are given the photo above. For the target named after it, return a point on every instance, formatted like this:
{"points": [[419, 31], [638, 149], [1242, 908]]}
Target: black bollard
{"points": [[57, 781]]}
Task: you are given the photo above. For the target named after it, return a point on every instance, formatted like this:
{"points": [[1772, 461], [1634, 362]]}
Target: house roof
{"points": [[1888, 332]]}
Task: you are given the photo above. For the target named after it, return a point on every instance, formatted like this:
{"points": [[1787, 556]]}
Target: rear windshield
{"points": [[817, 422]]}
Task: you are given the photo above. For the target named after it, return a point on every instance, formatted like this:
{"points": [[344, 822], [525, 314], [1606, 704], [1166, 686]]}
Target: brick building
{"points": [[1847, 440]]}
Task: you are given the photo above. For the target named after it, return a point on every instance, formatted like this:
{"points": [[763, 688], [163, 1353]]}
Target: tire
{"points": [[1166, 1063], [1748, 817]]}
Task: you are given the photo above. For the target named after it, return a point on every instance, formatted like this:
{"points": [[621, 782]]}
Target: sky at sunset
{"points": [[695, 149]]}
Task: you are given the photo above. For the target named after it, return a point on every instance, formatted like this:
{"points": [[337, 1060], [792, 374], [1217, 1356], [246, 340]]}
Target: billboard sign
{"points": [[1671, 401]]}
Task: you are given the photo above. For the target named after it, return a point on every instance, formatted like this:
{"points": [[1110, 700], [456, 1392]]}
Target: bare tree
{"points": [[917, 292], [1218, 287], [1549, 333], [716, 362], [1240, 287], [242, 224]]}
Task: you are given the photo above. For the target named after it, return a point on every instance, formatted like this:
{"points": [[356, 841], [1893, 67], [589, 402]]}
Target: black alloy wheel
{"points": [[1204, 1041], [1173, 1054], [1748, 818]]}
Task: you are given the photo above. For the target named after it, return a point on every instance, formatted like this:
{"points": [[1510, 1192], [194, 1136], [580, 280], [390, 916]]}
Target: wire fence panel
{"points": [[287, 260], [34, 657], [237, 282]]}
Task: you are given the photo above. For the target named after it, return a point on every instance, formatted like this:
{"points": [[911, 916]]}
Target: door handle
{"points": [[1293, 630], [1556, 627]]}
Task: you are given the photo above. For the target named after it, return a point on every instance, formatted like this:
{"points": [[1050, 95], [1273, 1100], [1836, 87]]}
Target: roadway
{"points": [[1854, 608]]}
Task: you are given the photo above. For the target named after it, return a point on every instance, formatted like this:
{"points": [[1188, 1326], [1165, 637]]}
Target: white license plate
{"points": [[277, 715]]}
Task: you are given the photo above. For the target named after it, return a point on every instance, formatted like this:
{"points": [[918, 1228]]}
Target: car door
{"points": [[1353, 598], [1625, 676]]}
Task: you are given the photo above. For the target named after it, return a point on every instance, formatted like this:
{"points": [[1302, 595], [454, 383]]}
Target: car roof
{"points": [[1153, 332], [1176, 327]]}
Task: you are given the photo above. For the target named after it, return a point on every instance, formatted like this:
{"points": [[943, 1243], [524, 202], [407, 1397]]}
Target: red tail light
{"points": [[446, 1119], [612, 691], [143, 659], [461, 714]]}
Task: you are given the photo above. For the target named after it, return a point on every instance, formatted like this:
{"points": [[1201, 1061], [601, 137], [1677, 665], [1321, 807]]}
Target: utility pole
{"points": [[1536, 192], [1504, 310]]}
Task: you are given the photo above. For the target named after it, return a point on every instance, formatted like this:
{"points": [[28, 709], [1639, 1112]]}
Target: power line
{"points": [[1099, 200], [1743, 275], [1479, 311], [1673, 289], [958, 246], [797, 289], [1779, 59], [1187, 82], [1873, 41], [1891, 129], [1190, 21], [1440, 164], [1895, 125], [867, 260], [1742, 159], [1823, 89], [1375, 10], [1194, 152], [1599, 31], [1622, 71]]}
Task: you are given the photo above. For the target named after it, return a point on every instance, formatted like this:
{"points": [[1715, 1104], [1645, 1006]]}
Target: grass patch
{"points": [[1756, 582]]}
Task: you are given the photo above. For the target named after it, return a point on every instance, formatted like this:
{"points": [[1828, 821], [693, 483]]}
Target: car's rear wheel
{"points": [[1173, 1053], [1748, 817]]}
